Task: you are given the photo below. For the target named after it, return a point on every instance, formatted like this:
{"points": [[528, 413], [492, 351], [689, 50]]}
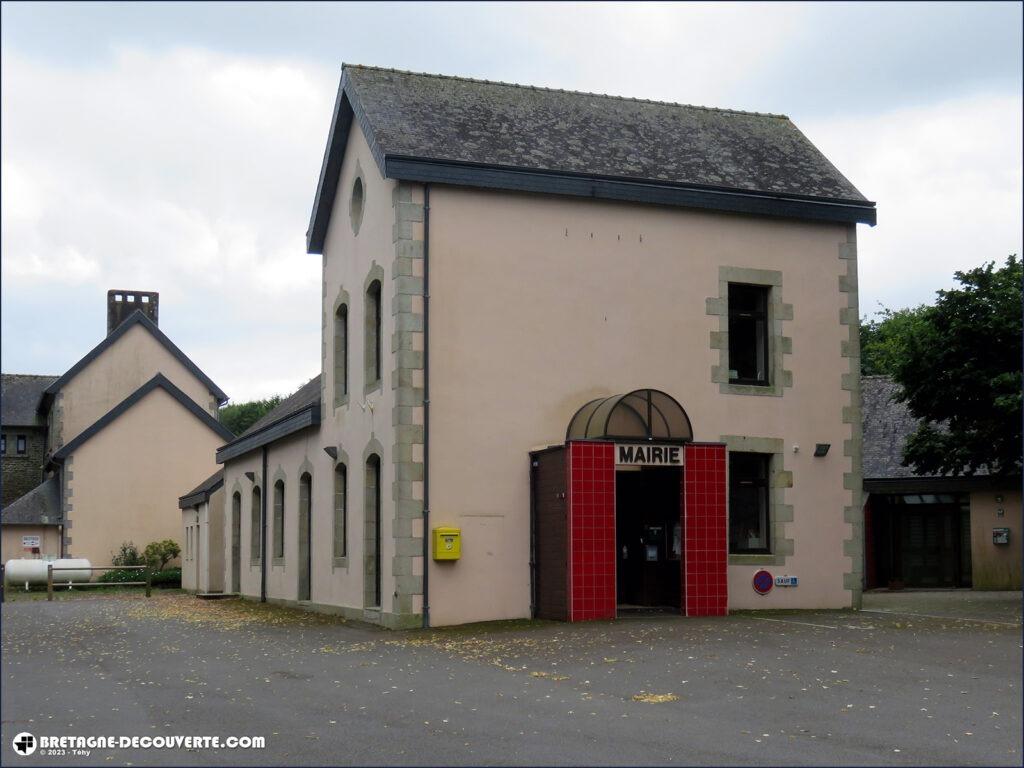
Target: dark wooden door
{"points": [[550, 534]]}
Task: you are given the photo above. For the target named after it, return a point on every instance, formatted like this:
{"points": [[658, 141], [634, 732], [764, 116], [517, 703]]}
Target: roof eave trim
{"points": [[287, 425], [733, 201], [195, 499], [136, 318], [159, 381]]}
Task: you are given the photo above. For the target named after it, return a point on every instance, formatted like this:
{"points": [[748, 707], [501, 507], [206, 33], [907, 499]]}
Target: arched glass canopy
{"points": [[644, 414]]}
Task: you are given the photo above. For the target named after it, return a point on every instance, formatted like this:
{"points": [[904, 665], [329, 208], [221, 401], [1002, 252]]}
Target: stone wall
{"points": [[22, 473]]}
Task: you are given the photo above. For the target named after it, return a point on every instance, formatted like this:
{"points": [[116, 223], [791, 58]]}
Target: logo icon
{"points": [[25, 744]]}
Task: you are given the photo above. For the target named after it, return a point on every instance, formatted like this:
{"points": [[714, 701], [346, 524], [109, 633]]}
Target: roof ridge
{"points": [[721, 110], [33, 375]]}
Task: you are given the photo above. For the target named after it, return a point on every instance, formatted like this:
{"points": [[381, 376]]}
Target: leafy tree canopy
{"points": [[960, 374], [884, 339], [238, 417]]}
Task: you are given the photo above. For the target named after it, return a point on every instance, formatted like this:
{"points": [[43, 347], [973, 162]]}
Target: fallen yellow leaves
{"points": [[655, 698]]}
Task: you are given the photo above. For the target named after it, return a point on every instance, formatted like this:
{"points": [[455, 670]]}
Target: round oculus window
{"points": [[355, 209]]}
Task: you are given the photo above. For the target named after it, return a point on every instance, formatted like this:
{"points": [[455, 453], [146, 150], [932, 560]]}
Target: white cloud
{"points": [[947, 179], [188, 172]]}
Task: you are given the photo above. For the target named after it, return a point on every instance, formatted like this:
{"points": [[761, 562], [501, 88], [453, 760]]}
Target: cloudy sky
{"points": [[176, 147]]}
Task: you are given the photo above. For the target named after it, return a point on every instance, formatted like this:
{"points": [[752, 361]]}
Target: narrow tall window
{"points": [[22, 445], [748, 334], [340, 510], [371, 534], [255, 519], [373, 333], [749, 523], [279, 519], [340, 355], [3, 444]]}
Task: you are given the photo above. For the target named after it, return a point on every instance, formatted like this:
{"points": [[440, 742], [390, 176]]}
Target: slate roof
{"points": [[887, 425], [40, 506], [20, 394], [490, 123], [203, 491], [303, 397], [424, 127]]}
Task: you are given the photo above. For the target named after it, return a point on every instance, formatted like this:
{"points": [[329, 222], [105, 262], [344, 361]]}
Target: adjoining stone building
{"points": [[23, 439], [126, 428], [580, 354], [931, 531]]}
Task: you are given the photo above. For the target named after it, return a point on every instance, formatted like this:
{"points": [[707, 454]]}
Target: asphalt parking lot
{"points": [[916, 679]]}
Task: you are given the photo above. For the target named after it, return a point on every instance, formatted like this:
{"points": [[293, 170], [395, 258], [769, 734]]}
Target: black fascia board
{"points": [[136, 318], [158, 381], [286, 425], [903, 485], [729, 200], [197, 498]]}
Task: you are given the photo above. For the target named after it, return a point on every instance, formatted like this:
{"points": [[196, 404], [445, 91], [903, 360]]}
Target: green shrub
{"points": [[169, 578], [127, 554], [120, 576], [159, 553]]}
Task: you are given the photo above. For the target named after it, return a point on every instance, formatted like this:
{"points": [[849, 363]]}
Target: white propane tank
{"points": [[26, 571]]}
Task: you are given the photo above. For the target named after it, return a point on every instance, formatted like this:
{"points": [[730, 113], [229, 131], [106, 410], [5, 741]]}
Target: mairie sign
{"points": [[627, 455]]}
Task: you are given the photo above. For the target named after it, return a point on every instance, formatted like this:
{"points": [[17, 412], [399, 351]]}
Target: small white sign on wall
{"points": [[28, 542], [786, 581]]}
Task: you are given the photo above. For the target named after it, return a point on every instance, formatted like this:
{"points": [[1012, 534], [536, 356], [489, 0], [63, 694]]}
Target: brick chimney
{"points": [[121, 305]]}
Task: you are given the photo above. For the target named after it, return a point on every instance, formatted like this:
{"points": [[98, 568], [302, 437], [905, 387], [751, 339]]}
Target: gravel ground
{"points": [[915, 679]]}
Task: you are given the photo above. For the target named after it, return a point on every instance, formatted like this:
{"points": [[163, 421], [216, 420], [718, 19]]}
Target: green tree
{"points": [[884, 339], [961, 376], [238, 417], [158, 553]]}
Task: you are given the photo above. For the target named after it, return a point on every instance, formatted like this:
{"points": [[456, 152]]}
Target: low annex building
{"points": [[126, 428], [926, 531], [581, 355]]}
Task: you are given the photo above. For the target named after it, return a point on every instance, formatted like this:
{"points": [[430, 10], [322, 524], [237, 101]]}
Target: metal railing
{"points": [[148, 582]]}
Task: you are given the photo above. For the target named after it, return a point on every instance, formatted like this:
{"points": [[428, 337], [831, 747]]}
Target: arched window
{"points": [[373, 333], [305, 526], [236, 542], [340, 355], [279, 519], [255, 518], [371, 549], [340, 510]]}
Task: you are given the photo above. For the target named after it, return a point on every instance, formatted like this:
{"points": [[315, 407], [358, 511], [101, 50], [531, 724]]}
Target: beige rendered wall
{"points": [[189, 562], [123, 367], [211, 543], [539, 304], [235, 480], [10, 541], [995, 566], [124, 482], [364, 423]]}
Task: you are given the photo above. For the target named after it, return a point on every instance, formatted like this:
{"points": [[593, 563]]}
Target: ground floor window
{"points": [[255, 520], [749, 523]]}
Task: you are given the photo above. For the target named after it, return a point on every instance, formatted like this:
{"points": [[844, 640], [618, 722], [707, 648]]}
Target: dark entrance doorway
{"points": [[648, 538], [920, 540]]}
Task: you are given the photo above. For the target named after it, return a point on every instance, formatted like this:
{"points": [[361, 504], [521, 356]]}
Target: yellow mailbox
{"points": [[447, 543]]}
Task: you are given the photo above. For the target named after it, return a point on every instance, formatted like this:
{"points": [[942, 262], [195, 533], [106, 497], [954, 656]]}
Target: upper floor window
{"points": [[749, 521], [373, 334], [748, 334], [356, 205], [3, 445], [22, 445], [340, 355], [279, 519]]}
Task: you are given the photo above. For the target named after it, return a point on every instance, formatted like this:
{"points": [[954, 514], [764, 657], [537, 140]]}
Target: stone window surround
{"points": [[778, 345], [779, 513], [342, 461], [279, 477], [370, 385], [341, 300]]}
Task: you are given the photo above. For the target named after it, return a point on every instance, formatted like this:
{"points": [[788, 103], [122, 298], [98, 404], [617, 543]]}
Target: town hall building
{"points": [[581, 355]]}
